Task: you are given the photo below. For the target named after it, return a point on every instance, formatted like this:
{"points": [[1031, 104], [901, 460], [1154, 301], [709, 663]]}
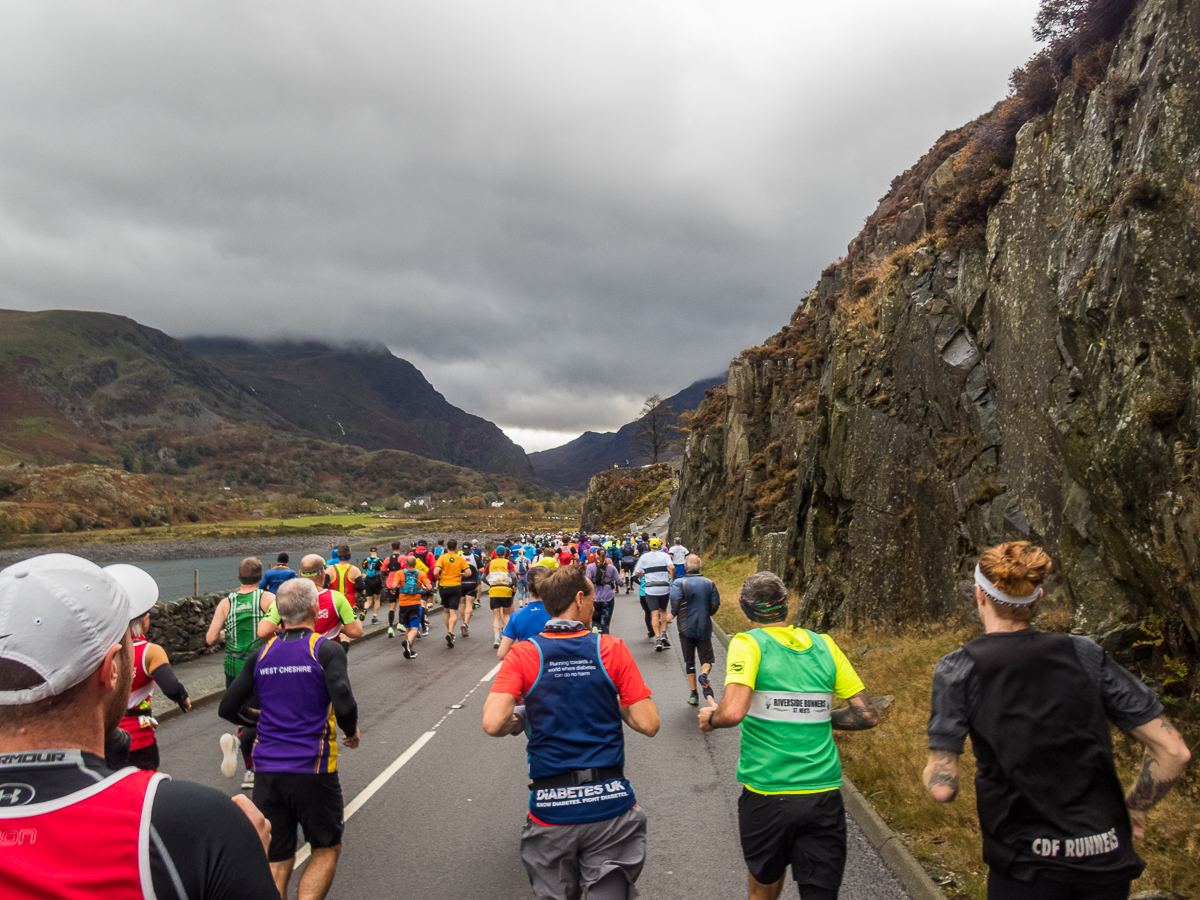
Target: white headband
{"points": [[999, 596]]}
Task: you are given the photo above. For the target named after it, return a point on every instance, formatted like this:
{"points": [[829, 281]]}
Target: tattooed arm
{"points": [[858, 716], [941, 775], [1163, 763]]}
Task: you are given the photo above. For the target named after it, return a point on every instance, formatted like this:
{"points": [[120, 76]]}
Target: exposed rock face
{"points": [[1042, 387], [617, 497]]}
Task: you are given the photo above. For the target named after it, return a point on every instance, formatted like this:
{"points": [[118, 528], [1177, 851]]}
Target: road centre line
{"points": [[396, 765]]}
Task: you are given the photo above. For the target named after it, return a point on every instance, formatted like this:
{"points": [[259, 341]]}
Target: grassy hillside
{"points": [[365, 396]]}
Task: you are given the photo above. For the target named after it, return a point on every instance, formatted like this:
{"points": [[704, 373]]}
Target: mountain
{"points": [[75, 386], [364, 396], [571, 466]]}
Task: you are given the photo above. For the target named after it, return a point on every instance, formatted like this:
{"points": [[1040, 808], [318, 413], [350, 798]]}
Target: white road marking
{"points": [[397, 764]]}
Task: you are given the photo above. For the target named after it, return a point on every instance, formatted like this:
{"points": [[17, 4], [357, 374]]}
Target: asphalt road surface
{"points": [[435, 806]]}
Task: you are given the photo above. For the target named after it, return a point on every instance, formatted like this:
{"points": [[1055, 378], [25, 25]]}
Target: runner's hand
{"points": [[351, 740], [186, 704], [1137, 818], [706, 720], [257, 819]]}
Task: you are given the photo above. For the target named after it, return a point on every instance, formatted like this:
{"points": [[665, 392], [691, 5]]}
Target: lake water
{"points": [[175, 576]]}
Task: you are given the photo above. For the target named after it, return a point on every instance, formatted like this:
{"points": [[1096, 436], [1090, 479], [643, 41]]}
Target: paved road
{"points": [[446, 823]]}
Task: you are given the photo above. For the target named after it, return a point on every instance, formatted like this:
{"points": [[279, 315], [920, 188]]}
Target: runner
{"points": [[150, 667], [500, 577], [372, 569], [65, 675], [790, 811], [694, 601], [277, 574], [448, 573], [237, 617], [528, 621], [584, 834], [1037, 707], [522, 563], [656, 569], [412, 587], [343, 577], [472, 586], [678, 554], [393, 563], [336, 618], [547, 558], [628, 561], [296, 752], [439, 549], [605, 579]]}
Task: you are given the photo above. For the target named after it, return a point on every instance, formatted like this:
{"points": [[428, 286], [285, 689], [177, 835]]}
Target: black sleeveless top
{"points": [[1050, 804]]}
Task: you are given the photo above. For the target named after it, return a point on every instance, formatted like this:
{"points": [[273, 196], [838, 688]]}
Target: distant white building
{"points": [[427, 502], [497, 504]]}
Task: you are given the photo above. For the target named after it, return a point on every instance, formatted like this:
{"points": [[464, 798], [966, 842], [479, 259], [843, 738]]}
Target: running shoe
{"points": [[702, 678], [409, 653], [248, 781], [450, 639], [229, 747], [391, 631], [496, 642], [423, 631], [660, 645], [651, 635], [374, 620], [465, 630], [694, 699], [666, 641]]}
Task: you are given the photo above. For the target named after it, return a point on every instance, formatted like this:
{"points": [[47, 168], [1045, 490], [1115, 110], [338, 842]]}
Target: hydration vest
{"points": [[499, 579], [341, 581], [46, 856]]}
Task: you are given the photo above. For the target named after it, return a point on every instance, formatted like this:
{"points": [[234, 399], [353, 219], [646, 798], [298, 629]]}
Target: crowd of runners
{"points": [[78, 753]]}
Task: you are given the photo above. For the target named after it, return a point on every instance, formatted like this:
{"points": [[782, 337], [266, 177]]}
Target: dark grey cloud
{"points": [[552, 209]]}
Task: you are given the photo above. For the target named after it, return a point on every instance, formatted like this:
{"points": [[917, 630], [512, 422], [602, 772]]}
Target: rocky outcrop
{"points": [[618, 497], [932, 397]]}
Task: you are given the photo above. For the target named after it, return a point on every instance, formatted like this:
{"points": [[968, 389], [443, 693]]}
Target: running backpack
{"points": [[522, 566]]}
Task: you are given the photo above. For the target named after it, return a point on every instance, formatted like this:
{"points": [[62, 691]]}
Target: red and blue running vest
{"points": [[574, 722], [140, 692], [92, 844], [296, 727]]}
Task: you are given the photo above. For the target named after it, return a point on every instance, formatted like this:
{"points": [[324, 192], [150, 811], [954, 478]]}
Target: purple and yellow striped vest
{"points": [[296, 727]]}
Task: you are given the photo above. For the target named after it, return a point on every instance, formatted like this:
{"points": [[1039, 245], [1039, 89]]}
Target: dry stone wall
{"points": [[180, 626]]}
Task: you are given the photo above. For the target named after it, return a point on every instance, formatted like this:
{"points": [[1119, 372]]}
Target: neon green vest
{"points": [[241, 630], [787, 736]]}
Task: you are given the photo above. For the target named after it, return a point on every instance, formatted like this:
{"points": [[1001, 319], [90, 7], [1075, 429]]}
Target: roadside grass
{"points": [[887, 762]]}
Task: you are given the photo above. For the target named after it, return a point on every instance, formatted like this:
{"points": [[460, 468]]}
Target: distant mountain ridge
{"points": [[102, 388], [571, 466], [361, 394]]}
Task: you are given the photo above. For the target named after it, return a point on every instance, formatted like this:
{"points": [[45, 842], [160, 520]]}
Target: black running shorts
{"points": [[500, 602], [450, 596], [409, 615], [691, 648], [374, 585], [658, 601], [805, 831], [289, 799]]}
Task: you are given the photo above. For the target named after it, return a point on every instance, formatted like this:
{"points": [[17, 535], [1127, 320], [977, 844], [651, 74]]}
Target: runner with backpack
{"points": [[373, 580], [522, 562], [501, 576], [412, 587], [628, 561]]}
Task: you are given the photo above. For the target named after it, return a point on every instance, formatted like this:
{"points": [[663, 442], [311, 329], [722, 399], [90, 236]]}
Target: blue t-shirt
{"points": [[526, 622], [274, 577]]}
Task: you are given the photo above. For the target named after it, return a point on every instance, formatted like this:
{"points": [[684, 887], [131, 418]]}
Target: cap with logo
{"points": [[60, 614]]}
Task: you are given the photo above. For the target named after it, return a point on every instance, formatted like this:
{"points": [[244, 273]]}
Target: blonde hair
{"points": [[1018, 568]]}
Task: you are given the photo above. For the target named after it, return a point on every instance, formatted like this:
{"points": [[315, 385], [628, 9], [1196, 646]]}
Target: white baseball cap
{"points": [[60, 614]]}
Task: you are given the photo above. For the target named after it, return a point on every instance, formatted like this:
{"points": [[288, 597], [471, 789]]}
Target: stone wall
{"points": [[180, 626], [1044, 386]]}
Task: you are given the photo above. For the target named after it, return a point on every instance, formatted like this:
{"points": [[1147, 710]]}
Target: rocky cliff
{"points": [[1009, 350], [618, 497]]}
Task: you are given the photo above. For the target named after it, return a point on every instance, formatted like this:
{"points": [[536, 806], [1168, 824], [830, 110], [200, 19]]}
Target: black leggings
{"points": [[649, 618], [146, 758], [1001, 887], [247, 734]]}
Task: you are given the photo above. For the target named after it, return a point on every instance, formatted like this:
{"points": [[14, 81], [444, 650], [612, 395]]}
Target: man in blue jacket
{"points": [[694, 600]]}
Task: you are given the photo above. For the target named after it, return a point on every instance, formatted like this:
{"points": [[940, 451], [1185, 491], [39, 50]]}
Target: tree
{"points": [[655, 429]]}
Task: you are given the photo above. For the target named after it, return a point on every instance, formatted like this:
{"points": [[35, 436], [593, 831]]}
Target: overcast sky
{"points": [[552, 208]]}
